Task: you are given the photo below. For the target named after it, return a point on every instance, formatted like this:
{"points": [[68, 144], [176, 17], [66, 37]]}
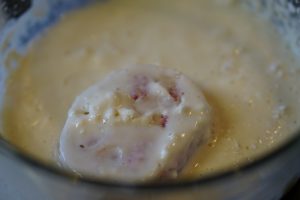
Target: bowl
{"points": [[24, 177]]}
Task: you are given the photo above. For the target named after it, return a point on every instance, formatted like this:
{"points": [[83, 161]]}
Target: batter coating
{"points": [[140, 122]]}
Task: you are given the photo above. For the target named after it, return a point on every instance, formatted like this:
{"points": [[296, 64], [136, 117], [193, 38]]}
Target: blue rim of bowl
{"points": [[65, 174]]}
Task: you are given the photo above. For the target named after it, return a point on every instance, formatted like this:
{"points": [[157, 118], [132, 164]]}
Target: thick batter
{"points": [[237, 61]]}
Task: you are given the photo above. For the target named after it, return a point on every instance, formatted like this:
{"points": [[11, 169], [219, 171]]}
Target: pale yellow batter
{"points": [[237, 61]]}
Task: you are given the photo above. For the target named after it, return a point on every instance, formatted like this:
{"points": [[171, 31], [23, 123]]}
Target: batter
{"points": [[245, 74]]}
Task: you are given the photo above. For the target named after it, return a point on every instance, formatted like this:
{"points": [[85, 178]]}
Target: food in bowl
{"points": [[238, 62], [139, 123]]}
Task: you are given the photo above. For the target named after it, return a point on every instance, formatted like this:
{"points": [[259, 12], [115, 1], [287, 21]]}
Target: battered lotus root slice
{"points": [[139, 123]]}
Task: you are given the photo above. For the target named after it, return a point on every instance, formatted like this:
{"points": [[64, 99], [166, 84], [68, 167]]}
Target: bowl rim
{"points": [[50, 169]]}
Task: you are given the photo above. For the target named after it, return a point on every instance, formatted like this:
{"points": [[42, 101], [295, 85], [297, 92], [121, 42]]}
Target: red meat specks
{"points": [[139, 89], [163, 120], [174, 93]]}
